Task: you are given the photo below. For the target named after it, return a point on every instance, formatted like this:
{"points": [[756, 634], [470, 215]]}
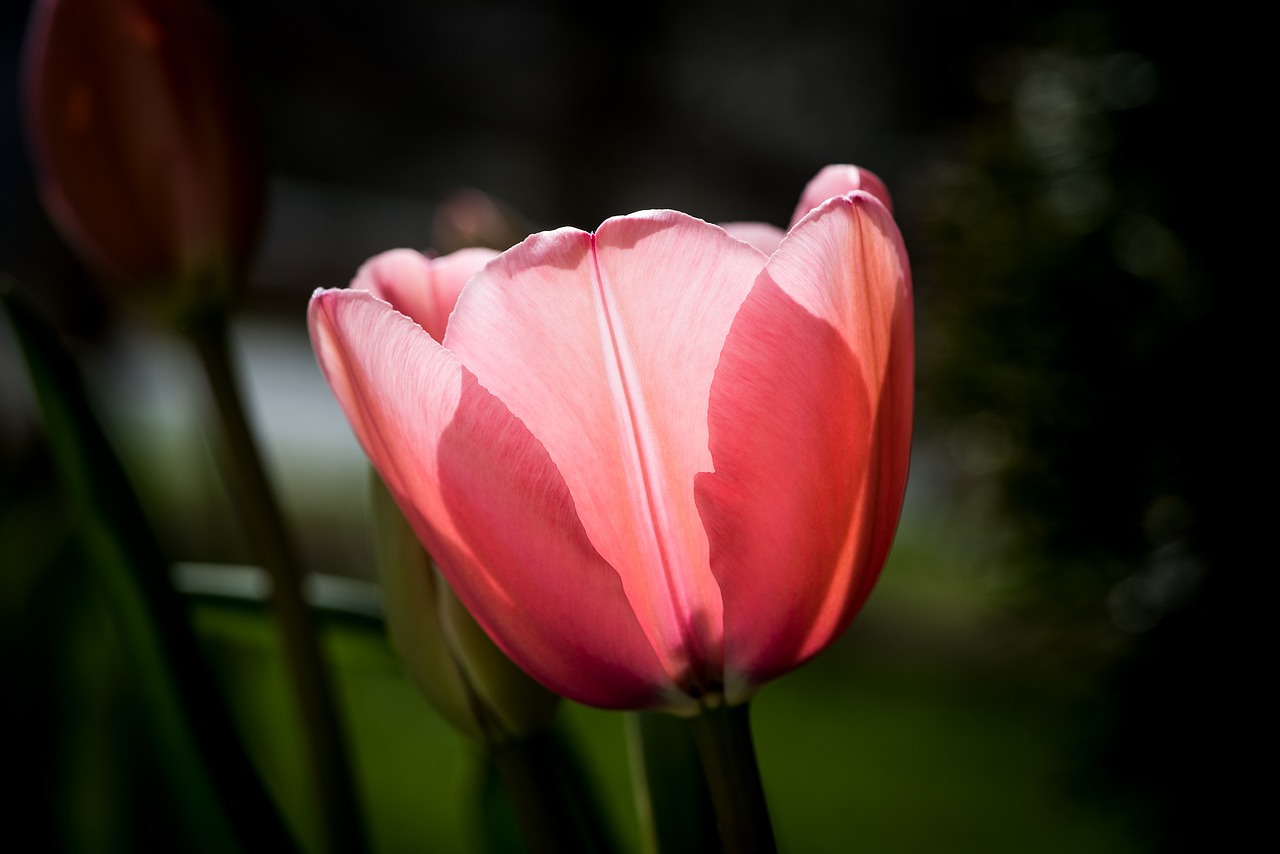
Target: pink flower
{"points": [[659, 466], [142, 143]]}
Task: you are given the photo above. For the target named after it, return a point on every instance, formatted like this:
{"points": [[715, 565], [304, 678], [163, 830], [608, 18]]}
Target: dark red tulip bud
{"points": [[143, 145]]}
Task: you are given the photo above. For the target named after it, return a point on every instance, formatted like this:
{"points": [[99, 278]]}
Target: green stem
{"points": [[541, 792], [723, 737], [584, 795], [264, 525], [673, 802]]}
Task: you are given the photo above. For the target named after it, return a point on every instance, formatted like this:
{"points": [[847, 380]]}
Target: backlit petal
{"points": [[836, 181], [488, 504], [451, 272], [761, 235], [402, 277], [810, 419], [605, 346], [424, 288]]}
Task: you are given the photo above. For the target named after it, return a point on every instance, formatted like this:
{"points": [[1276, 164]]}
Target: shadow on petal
{"points": [[793, 441], [537, 585]]}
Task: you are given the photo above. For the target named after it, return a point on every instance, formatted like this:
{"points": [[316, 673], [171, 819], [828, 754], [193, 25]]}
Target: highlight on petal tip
{"points": [[837, 181]]}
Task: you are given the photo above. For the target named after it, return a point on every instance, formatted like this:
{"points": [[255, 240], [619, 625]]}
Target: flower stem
{"points": [[553, 808], [673, 802], [723, 737], [264, 524]]}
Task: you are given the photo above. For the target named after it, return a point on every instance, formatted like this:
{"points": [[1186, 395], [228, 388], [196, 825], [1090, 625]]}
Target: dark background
{"points": [[1071, 550]]}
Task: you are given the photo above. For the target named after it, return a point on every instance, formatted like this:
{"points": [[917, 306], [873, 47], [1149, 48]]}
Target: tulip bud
{"points": [[445, 653], [140, 136], [470, 217]]}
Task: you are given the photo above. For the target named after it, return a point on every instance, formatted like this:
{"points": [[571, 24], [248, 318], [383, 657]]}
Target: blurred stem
{"points": [[134, 572], [582, 794], [264, 524], [544, 796], [673, 803], [723, 736]]}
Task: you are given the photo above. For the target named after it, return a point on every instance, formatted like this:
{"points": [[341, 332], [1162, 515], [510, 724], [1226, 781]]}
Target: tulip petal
{"points": [[810, 418], [451, 272], [424, 288], [837, 180], [487, 503], [402, 277], [761, 235], [608, 345]]}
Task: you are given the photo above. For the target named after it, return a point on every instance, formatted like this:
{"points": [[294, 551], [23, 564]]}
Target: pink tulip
{"points": [[659, 466], [141, 139]]}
